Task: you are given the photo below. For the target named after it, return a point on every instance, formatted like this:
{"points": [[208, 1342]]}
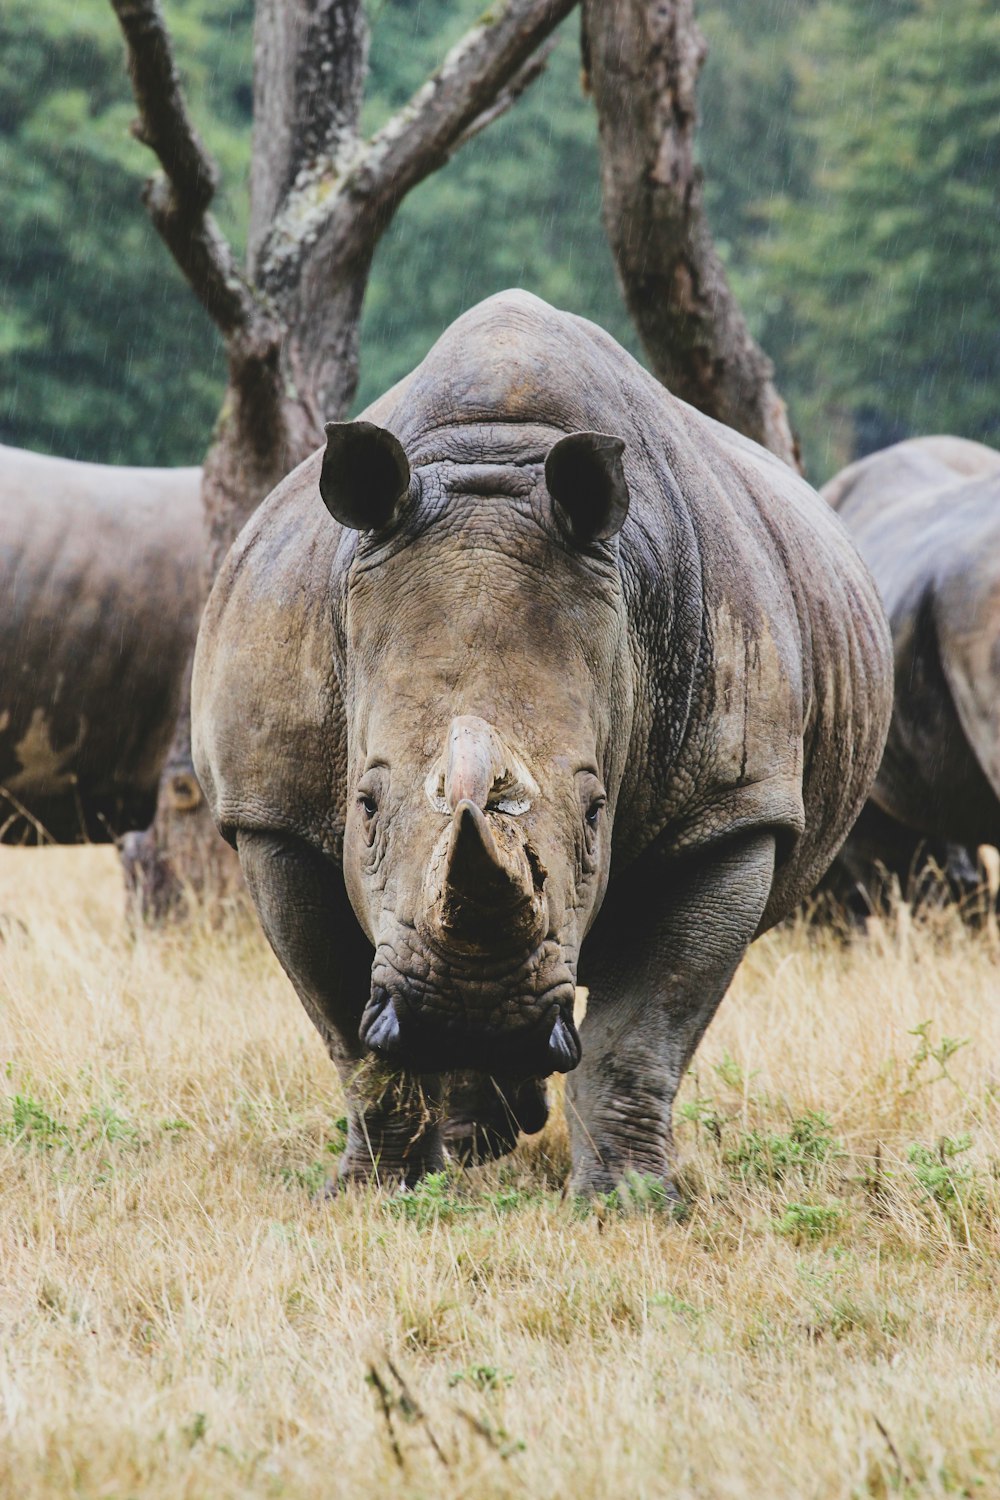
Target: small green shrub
{"points": [[30, 1124], [483, 1377], [809, 1221], [701, 1111], [936, 1170], [433, 1199], [771, 1157]]}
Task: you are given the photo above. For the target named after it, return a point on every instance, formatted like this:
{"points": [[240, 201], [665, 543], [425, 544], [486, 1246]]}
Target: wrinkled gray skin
{"points": [[100, 585], [925, 515], [425, 735]]}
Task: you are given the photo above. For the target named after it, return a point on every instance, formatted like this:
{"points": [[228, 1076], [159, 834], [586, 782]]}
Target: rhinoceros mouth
{"points": [[426, 1015], [406, 1039]]}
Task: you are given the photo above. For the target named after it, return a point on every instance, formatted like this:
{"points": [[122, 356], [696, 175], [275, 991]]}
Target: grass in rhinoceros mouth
{"points": [[180, 1316]]}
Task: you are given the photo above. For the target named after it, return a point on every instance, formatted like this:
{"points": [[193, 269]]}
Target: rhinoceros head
{"points": [[486, 688]]}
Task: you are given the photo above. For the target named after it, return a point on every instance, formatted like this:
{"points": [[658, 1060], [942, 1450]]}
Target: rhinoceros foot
{"points": [[486, 1116], [390, 1165], [634, 1185]]}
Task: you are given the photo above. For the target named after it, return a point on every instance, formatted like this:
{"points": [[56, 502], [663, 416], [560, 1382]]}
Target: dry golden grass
{"points": [[180, 1319]]}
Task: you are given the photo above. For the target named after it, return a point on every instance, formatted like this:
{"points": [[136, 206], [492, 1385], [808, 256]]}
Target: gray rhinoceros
{"points": [[100, 581], [565, 683], [925, 515]]}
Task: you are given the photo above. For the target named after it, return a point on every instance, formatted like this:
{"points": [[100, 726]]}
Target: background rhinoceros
{"points": [[925, 515], [556, 610], [100, 581]]}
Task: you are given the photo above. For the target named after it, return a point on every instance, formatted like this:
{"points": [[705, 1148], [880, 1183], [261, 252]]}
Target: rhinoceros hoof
{"points": [[634, 1189], [391, 1169], [362, 1176]]}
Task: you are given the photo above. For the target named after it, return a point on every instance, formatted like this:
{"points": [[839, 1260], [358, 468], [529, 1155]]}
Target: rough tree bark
{"points": [[642, 58], [320, 198]]}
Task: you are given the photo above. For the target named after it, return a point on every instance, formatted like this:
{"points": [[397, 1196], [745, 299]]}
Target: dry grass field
{"points": [[180, 1318]]}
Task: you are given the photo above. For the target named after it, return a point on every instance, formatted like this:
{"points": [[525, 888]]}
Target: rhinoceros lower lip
{"points": [[383, 1035], [407, 1038], [564, 1045]]}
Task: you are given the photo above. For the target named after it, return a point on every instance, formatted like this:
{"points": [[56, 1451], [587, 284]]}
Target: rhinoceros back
{"points": [[930, 533], [99, 577]]}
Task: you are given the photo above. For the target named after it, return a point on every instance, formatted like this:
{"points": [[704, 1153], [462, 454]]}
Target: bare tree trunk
{"points": [[320, 198], [643, 58], [261, 434]]}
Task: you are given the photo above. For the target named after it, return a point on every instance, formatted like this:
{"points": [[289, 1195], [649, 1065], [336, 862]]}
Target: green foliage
{"points": [[510, 1199], [103, 1124], [926, 1051], [481, 1378], [195, 1430], [645, 1193], [432, 1200], [941, 1177], [851, 151], [446, 1196], [768, 1157], [676, 1306], [809, 1221], [104, 353], [639, 1194], [30, 1124], [703, 1112], [310, 1179], [884, 274]]}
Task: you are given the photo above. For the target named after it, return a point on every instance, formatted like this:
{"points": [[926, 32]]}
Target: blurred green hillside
{"points": [[851, 150]]}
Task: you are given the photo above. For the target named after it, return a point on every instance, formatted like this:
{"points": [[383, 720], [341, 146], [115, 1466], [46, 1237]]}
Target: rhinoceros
{"points": [[100, 583], [534, 677], [925, 515]]}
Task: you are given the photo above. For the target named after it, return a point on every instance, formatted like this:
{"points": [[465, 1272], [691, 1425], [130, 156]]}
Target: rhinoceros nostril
{"points": [[564, 1046], [383, 1035]]}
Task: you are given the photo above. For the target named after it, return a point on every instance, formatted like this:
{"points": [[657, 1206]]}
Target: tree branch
{"points": [[344, 202], [644, 57], [508, 97], [441, 114], [178, 198]]}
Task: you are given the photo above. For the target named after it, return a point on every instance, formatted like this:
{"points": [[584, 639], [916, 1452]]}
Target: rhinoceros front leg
{"points": [[657, 963], [393, 1125]]}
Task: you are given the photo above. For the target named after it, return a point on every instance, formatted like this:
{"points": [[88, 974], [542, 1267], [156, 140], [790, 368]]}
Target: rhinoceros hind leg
{"points": [[485, 1116]]}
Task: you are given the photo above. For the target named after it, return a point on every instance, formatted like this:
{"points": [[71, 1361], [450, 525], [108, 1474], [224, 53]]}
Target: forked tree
{"points": [[321, 196]]}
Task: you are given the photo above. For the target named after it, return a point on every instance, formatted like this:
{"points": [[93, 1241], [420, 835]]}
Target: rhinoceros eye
{"points": [[593, 797], [367, 804]]}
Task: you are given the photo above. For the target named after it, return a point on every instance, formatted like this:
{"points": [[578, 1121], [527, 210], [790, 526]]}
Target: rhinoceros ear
{"points": [[586, 479], [365, 474]]}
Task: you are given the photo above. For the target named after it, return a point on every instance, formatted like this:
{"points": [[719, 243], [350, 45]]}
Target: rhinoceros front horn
{"points": [[476, 871], [365, 475], [491, 891]]}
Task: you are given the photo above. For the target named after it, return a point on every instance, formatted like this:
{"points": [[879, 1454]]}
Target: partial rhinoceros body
{"points": [[100, 584], [529, 608], [925, 515]]}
